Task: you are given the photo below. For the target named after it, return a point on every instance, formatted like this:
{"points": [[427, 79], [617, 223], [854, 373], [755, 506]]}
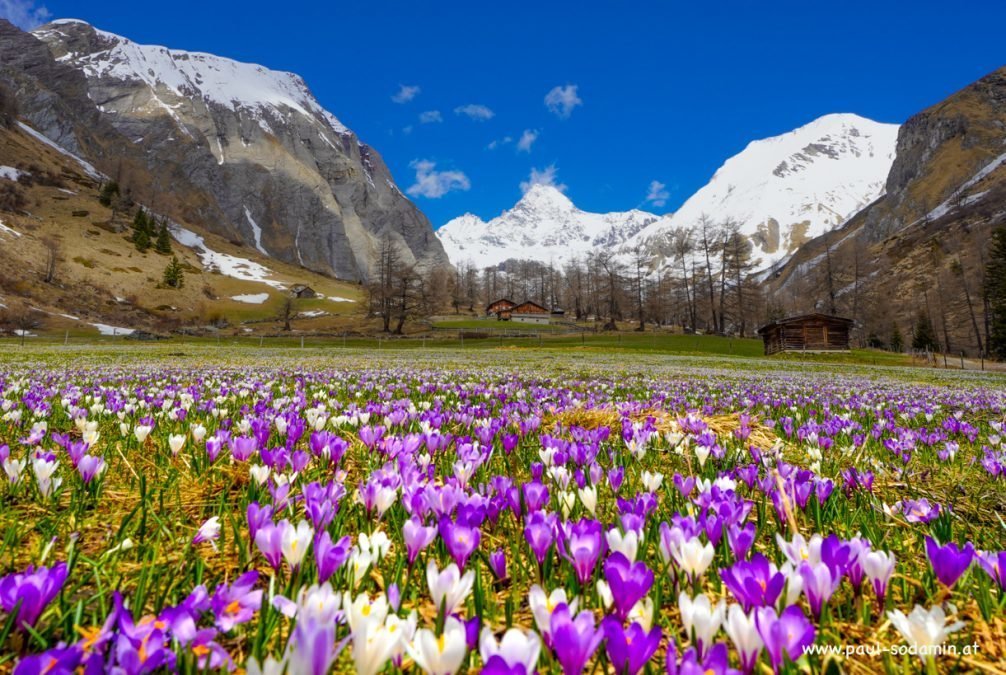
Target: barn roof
{"points": [[528, 304], [800, 318]]}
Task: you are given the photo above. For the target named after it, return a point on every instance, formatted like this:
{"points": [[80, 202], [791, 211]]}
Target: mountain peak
{"points": [[541, 196]]}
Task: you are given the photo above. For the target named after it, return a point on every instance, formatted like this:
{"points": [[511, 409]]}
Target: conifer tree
{"points": [[141, 231], [897, 342], [995, 290], [163, 245], [174, 276], [924, 335]]}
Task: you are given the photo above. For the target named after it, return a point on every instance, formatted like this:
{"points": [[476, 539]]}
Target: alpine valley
{"points": [[260, 190]]}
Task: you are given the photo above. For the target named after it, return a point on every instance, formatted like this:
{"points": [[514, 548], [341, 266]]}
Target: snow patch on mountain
{"points": [[212, 78]]}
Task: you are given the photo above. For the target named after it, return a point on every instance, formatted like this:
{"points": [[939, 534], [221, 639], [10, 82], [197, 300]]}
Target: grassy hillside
{"points": [[100, 276]]}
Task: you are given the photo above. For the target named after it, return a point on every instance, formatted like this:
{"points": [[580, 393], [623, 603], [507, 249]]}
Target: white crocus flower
{"points": [[441, 655], [700, 616], [13, 468], [627, 544], [141, 431], [924, 630], [542, 605], [652, 481], [642, 613], [693, 557], [588, 497], [259, 473], [744, 634], [176, 442], [516, 648], [448, 587], [295, 542]]}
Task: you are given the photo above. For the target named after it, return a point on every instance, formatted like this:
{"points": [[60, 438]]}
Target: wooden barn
{"points": [[501, 309], [530, 312], [807, 333]]}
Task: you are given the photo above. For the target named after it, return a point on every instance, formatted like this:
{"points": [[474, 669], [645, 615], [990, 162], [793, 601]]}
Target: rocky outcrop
{"points": [[237, 149], [939, 149], [920, 247]]}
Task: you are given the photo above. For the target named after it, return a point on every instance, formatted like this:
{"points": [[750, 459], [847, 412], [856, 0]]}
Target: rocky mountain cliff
{"points": [[235, 149], [544, 226], [920, 247]]}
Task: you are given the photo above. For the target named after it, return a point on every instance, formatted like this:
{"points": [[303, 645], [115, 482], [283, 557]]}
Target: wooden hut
{"points": [[501, 309], [807, 333], [530, 312], [302, 291]]}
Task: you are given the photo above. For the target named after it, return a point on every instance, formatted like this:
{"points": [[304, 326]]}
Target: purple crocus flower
{"points": [[34, 589], [242, 447], [741, 539], [417, 537], [629, 582], [330, 556], [715, 662], [90, 467], [257, 517], [949, 561], [237, 603], [535, 496], [497, 665], [615, 478], [819, 584], [460, 540], [497, 563], [994, 565], [269, 539], [786, 635], [315, 648], [539, 530], [582, 544], [919, 510], [756, 583], [574, 640], [394, 597], [629, 649]]}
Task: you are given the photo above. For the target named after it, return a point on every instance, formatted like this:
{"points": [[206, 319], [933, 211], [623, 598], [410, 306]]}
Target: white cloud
{"points": [[562, 100], [546, 176], [407, 129], [657, 193], [430, 116], [493, 144], [434, 184], [475, 111], [405, 93], [527, 139], [25, 14]]}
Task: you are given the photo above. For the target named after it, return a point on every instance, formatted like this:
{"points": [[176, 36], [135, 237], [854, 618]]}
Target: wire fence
{"points": [[455, 338]]}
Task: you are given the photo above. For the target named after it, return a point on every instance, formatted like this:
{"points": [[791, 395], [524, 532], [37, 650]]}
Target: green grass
{"points": [[496, 326]]}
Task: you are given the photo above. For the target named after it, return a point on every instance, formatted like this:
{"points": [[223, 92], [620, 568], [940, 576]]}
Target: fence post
{"points": [[66, 338], [301, 341], [962, 360], [261, 340]]}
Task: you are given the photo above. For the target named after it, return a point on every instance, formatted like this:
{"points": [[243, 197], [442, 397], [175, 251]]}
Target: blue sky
{"points": [[640, 91]]}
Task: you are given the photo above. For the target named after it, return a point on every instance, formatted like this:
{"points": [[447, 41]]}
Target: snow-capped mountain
{"points": [[545, 226], [780, 191], [249, 153], [785, 190]]}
